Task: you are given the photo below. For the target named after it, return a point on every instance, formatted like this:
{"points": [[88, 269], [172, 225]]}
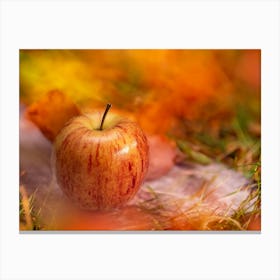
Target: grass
{"points": [[192, 219], [29, 217], [225, 128], [235, 144], [197, 218]]}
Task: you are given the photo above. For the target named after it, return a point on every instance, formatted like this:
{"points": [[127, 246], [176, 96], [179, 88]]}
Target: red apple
{"points": [[100, 162]]}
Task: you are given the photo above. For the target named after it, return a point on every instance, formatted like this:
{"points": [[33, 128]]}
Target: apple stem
{"points": [[104, 115]]}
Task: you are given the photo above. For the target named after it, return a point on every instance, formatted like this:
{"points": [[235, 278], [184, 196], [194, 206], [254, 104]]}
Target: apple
{"points": [[100, 160]]}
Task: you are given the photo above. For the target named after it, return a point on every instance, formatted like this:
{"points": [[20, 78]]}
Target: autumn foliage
{"points": [[203, 105], [163, 88]]}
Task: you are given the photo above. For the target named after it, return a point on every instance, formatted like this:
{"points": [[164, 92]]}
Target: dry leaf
{"points": [[162, 155], [51, 112]]}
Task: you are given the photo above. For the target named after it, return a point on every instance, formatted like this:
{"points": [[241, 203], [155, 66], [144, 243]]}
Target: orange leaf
{"points": [[51, 112]]}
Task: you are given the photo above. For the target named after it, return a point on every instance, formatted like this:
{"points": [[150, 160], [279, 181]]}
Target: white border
{"points": [[153, 24]]}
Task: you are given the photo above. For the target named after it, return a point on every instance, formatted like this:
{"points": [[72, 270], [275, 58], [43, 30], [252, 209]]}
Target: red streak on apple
{"points": [[100, 169]]}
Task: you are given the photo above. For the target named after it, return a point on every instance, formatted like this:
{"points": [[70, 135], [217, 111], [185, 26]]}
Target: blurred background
{"points": [[206, 104], [209, 97]]}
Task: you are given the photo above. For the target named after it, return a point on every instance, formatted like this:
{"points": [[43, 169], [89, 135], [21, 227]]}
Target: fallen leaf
{"points": [[51, 112], [162, 155]]}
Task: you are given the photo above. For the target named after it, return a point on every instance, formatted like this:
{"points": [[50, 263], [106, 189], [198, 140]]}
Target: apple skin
{"points": [[100, 169]]}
